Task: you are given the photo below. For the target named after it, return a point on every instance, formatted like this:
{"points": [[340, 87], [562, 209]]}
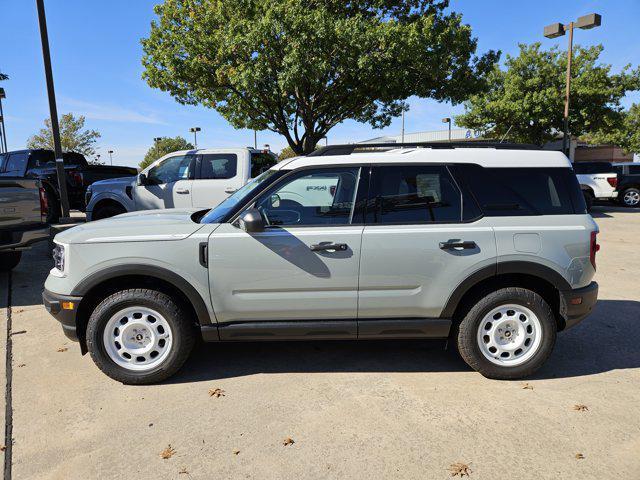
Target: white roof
{"points": [[486, 157]]}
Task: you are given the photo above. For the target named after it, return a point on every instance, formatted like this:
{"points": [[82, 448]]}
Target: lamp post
{"points": [[53, 111], [3, 130], [156, 139], [555, 30], [110, 152], [195, 131], [448, 120]]}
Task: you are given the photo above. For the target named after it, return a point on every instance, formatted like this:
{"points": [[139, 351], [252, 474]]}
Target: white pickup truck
{"points": [[189, 178], [596, 184]]}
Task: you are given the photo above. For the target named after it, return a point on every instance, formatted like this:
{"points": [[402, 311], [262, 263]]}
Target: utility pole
{"points": [[53, 111], [402, 133], [555, 30], [448, 120], [3, 129], [255, 139]]}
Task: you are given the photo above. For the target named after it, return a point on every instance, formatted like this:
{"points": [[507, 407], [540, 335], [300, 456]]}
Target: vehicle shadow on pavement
{"points": [[605, 341]]}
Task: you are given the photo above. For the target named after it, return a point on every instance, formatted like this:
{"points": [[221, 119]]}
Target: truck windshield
{"points": [[219, 213]]}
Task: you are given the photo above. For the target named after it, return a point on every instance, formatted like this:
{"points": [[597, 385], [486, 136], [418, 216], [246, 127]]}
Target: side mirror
{"points": [[251, 221], [142, 179]]}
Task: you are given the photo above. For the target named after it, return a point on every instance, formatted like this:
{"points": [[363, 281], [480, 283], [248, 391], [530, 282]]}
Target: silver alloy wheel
{"points": [[137, 338], [631, 198], [509, 335]]}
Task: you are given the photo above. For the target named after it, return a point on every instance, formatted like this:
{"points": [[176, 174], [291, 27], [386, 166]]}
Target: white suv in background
{"points": [[189, 178]]}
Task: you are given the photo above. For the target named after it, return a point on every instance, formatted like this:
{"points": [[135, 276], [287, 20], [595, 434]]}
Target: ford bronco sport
{"points": [[491, 248]]}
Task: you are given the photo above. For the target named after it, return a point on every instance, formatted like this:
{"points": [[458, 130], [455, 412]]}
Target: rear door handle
{"points": [[454, 245], [324, 246], [182, 191]]}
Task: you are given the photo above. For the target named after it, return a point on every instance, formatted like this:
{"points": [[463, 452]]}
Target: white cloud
{"points": [[111, 113]]}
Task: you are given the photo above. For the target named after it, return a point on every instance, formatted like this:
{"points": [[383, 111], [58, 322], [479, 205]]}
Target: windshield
{"points": [[217, 214]]}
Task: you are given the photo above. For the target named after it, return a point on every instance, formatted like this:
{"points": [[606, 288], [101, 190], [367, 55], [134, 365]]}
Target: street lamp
{"points": [[556, 30], [156, 139], [195, 131], [110, 152], [3, 131], [448, 120]]}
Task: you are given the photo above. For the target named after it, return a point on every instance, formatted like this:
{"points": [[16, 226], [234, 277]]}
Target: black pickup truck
{"points": [[628, 185], [41, 165]]}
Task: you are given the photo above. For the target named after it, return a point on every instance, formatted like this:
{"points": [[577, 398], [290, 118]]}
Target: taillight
{"points": [[44, 204], [613, 181], [77, 178], [593, 249]]}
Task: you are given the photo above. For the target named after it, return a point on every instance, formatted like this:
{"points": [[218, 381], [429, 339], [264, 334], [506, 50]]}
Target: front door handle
{"points": [[183, 191], [230, 190], [452, 245], [324, 246]]}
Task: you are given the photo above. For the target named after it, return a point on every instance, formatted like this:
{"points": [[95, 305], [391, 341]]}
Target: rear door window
{"points": [[261, 162], [16, 164], [634, 169], [218, 165]]}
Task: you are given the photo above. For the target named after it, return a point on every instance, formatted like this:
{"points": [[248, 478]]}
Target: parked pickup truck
{"points": [[41, 165], [23, 212], [596, 182], [628, 184], [189, 178]]}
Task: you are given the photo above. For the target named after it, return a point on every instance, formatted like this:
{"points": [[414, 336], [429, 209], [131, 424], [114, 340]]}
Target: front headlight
{"points": [[59, 259]]}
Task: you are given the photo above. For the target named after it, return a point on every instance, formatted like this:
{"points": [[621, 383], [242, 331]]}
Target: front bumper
{"points": [[577, 304], [64, 308]]}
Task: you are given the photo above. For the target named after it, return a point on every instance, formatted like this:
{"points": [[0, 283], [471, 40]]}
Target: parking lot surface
{"points": [[352, 410]]}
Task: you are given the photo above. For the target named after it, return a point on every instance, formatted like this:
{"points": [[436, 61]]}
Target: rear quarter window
{"points": [[524, 191]]}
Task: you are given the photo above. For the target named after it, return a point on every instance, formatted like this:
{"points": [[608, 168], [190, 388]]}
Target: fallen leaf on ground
{"points": [[167, 452], [183, 471], [288, 441], [579, 456], [3, 448], [236, 452], [580, 407], [216, 392], [526, 386], [22, 365], [459, 469], [20, 310], [62, 349]]}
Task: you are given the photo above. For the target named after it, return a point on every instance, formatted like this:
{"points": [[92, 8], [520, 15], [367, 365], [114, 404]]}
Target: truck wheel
{"points": [[108, 211], [139, 336], [588, 199], [508, 334], [9, 260], [53, 207], [631, 197]]}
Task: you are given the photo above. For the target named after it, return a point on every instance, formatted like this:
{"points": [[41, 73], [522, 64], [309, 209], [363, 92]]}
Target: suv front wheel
{"points": [[139, 336], [508, 334]]}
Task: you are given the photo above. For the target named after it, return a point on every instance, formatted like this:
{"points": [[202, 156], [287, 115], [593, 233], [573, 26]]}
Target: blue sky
{"points": [[96, 63]]}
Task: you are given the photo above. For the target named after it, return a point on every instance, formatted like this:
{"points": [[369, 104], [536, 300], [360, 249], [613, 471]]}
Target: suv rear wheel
{"points": [[508, 334], [139, 336], [631, 197]]}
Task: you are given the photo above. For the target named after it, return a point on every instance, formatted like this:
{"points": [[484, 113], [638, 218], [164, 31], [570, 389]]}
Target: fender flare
{"points": [[177, 281], [518, 267]]}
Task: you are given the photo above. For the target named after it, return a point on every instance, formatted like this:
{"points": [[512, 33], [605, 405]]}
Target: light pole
{"points": [[555, 30], [156, 139], [195, 131], [53, 111], [3, 130], [255, 139], [448, 120], [110, 152], [402, 132]]}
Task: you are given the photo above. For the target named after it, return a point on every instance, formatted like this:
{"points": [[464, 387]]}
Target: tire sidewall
{"points": [[111, 306], [469, 330], [625, 192]]}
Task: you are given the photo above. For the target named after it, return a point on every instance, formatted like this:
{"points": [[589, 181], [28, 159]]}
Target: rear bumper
{"points": [[53, 302], [577, 304], [19, 239]]}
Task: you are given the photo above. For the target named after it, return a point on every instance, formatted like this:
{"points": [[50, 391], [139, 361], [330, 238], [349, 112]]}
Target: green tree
{"points": [[300, 67], [162, 147], [73, 137], [625, 133], [527, 99], [3, 76], [286, 152]]}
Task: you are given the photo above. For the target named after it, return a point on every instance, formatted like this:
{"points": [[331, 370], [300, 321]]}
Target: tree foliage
{"points": [[162, 147], [625, 133], [3, 76], [73, 137], [300, 67], [527, 99]]}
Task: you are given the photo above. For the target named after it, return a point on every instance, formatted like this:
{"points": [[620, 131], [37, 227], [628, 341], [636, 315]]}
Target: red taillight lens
{"points": [[77, 178], [613, 181], [44, 204], [593, 249]]}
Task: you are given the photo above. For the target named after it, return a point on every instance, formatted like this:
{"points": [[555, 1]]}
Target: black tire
{"points": [[588, 199], [108, 211], [182, 330], [9, 260], [53, 207], [468, 329], [630, 197]]}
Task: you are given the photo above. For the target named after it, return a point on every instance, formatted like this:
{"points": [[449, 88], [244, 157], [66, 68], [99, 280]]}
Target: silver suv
{"points": [[491, 248]]}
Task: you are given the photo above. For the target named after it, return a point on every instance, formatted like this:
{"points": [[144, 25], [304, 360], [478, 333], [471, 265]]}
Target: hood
{"points": [[113, 181], [145, 226]]}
